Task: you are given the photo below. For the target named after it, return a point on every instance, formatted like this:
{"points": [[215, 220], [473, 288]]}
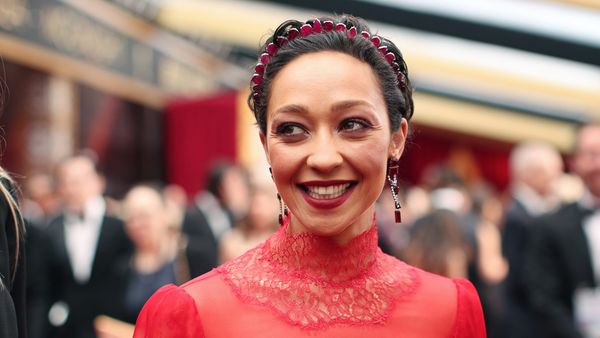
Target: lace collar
{"points": [[313, 282]]}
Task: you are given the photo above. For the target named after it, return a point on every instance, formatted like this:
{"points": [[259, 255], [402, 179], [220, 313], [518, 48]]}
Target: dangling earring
{"points": [[393, 171], [283, 211]]}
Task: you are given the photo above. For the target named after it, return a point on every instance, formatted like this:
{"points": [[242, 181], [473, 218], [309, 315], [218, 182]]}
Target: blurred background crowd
{"points": [[139, 165]]}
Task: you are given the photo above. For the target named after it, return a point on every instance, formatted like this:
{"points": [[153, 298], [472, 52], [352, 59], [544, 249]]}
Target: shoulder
{"points": [[469, 320], [170, 312], [452, 304], [559, 223], [454, 298]]}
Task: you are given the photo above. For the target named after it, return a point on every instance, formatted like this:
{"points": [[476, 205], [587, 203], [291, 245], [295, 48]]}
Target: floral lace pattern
{"points": [[313, 282]]}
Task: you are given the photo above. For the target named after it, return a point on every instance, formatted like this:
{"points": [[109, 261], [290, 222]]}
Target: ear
{"points": [[397, 140], [263, 141]]}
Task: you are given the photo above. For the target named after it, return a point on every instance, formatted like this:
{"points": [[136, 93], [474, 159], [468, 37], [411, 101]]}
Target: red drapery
{"points": [[198, 132], [474, 158]]}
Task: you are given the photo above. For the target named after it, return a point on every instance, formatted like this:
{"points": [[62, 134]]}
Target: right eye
{"points": [[289, 129]]}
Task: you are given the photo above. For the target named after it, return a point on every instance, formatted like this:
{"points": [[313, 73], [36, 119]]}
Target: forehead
{"points": [[76, 166], [143, 197], [323, 78]]}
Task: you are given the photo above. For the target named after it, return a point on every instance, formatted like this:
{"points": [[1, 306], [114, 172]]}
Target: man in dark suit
{"points": [[535, 169], [215, 210], [564, 258], [81, 245]]}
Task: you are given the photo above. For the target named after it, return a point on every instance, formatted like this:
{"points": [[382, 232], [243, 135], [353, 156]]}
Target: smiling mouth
{"points": [[320, 192]]}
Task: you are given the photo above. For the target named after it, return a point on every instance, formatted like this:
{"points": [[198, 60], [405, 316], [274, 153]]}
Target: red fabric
{"points": [[430, 146], [169, 310], [469, 315], [198, 132], [304, 285]]}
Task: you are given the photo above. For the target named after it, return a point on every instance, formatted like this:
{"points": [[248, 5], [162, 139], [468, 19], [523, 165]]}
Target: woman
{"points": [[437, 244], [12, 270], [332, 102], [160, 255]]}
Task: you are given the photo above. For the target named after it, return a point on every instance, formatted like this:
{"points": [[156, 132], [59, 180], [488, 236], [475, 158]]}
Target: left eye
{"points": [[352, 125]]}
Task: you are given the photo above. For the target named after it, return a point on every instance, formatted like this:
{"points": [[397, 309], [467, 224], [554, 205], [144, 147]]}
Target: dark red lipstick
{"points": [[326, 203]]}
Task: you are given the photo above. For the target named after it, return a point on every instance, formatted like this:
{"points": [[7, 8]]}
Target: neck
{"points": [[325, 257], [361, 224], [148, 259]]}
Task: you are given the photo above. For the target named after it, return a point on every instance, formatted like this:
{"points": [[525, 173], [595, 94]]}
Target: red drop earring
{"points": [[393, 172], [283, 211]]}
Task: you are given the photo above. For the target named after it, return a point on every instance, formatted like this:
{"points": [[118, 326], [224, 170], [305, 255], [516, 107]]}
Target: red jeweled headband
{"points": [[316, 28]]}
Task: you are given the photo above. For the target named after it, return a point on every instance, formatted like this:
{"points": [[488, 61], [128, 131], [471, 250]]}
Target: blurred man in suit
{"points": [[535, 169], [216, 209], [80, 246], [564, 260]]}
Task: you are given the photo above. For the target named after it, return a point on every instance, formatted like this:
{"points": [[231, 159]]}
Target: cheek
{"points": [[370, 158], [285, 161]]}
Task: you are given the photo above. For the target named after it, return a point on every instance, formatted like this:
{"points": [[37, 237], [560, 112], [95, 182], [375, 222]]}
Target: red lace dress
{"points": [[304, 285]]}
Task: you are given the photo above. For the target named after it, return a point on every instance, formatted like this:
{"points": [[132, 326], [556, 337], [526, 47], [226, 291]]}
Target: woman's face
{"points": [[145, 218], [328, 141]]}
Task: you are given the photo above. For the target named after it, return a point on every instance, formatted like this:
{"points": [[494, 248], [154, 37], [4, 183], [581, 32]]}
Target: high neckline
{"points": [[313, 282], [321, 257]]}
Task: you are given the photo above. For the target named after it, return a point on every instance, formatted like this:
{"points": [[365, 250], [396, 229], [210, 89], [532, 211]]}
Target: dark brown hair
{"points": [[398, 101]]}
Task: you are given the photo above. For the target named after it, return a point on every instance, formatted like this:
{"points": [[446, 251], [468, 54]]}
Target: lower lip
{"points": [[329, 203]]}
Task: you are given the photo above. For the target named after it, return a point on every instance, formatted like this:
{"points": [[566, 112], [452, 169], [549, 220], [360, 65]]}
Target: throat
{"points": [[324, 257]]}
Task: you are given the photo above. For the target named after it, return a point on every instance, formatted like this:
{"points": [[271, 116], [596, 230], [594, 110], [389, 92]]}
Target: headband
{"points": [[318, 28]]}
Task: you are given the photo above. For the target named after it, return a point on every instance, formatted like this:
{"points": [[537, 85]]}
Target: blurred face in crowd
{"points": [[78, 182], [263, 210], [543, 174], [145, 218], [586, 161], [328, 141]]}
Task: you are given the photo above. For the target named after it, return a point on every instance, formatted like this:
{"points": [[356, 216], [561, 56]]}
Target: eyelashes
{"points": [[347, 126], [354, 125]]}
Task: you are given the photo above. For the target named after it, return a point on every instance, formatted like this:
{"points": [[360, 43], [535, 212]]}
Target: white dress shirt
{"points": [[534, 204], [81, 237]]}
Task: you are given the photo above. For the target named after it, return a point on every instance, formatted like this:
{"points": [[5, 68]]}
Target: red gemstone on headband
{"points": [[282, 40], [365, 34], [305, 30], [352, 32], [396, 66], [257, 79], [259, 68], [328, 25], [390, 57], [340, 27], [293, 33], [401, 80], [271, 49], [265, 58], [383, 49], [376, 40], [316, 26]]}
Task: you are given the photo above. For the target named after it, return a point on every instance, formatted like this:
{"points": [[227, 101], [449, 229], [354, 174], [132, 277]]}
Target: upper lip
{"points": [[326, 183]]}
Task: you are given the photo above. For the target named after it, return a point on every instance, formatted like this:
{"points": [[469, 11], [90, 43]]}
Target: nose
{"points": [[324, 156]]}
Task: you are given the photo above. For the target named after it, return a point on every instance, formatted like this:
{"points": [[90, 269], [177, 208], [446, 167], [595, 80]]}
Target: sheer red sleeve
{"points": [[469, 315], [170, 312]]}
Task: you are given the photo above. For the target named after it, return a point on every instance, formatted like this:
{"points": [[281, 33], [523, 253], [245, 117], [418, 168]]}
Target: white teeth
{"points": [[329, 192]]}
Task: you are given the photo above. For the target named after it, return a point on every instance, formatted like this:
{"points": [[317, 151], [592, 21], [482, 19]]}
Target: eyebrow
{"points": [[344, 105], [336, 107]]}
